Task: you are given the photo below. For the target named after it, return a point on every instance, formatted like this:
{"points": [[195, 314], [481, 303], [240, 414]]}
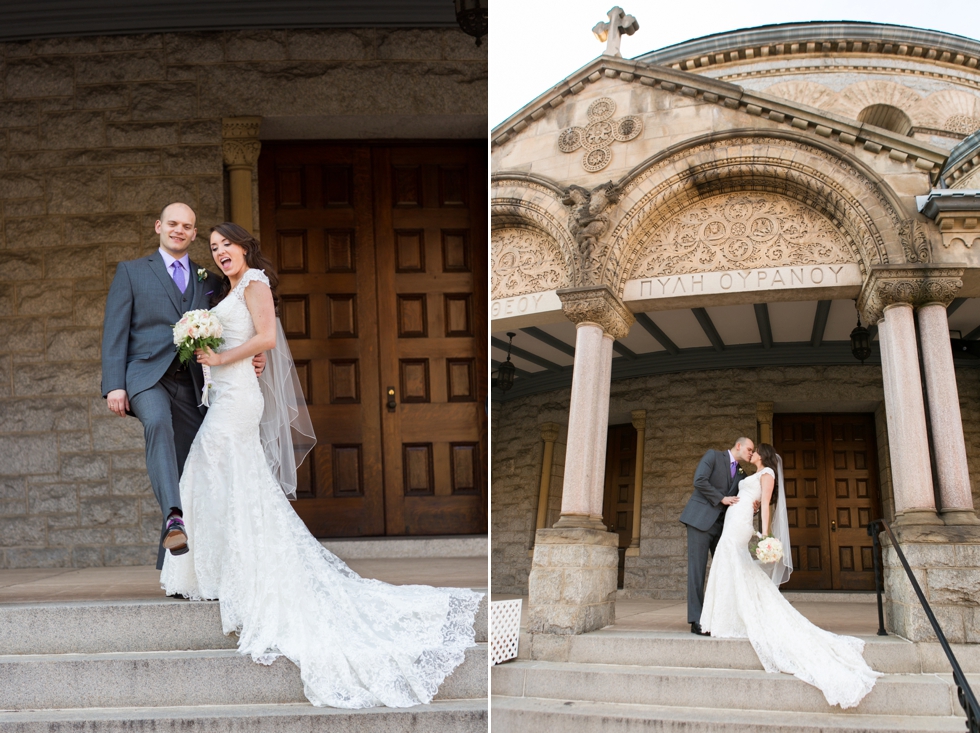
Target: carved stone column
{"points": [[240, 147], [549, 434], [952, 469], [572, 585], [640, 423], [888, 299], [763, 414]]}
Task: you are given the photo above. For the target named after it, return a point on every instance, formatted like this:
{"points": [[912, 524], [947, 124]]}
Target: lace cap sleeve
{"points": [[250, 276], [767, 470]]}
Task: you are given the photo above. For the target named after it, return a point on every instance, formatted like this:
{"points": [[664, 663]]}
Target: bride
{"points": [[742, 599], [358, 642]]}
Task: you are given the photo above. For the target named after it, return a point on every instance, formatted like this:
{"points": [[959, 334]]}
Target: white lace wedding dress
{"points": [[741, 601], [358, 642]]}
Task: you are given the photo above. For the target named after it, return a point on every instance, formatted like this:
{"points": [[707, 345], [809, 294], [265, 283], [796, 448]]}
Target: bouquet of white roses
{"points": [[767, 549], [198, 330]]}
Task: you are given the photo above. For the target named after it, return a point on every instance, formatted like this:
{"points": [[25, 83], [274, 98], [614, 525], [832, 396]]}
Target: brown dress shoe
{"points": [[175, 539]]}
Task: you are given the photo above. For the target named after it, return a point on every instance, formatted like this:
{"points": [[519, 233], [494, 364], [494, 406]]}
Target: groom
{"points": [[141, 374], [715, 485]]}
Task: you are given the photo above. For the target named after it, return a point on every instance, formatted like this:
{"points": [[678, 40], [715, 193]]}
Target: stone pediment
{"points": [[794, 116]]}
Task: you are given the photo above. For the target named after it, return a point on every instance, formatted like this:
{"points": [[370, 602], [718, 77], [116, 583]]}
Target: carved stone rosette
{"points": [[597, 305], [916, 285], [240, 143]]}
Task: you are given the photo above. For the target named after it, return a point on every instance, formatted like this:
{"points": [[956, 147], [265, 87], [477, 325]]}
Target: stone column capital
{"points": [[549, 431], [763, 411], [639, 419], [597, 305], [240, 143], [912, 284]]}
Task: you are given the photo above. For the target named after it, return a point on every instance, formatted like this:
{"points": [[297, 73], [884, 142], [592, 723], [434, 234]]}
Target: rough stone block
{"points": [[28, 454], [131, 483], [87, 557], [56, 379], [8, 301], [47, 557], [21, 266], [130, 461], [39, 77], [334, 45], [112, 512], [85, 467], [103, 96], [12, 508], [193, 160], [22, 531], [62, 46], [164, 101], [98, 229], [91, 490], [75, 441], [18, 114], [954, 586], [21, 185], [78, 536], [70, 344], [21, 334], [72, 130], [194, 48], [83, 191], [39, 298], [546, 586], [115, 433], [145, 194], [264, 45], [34, 232], [139, 134], [116, 555], [60, 498], [200, 131], [89, 309], [25, 207], [409, 43], [103, 69]]}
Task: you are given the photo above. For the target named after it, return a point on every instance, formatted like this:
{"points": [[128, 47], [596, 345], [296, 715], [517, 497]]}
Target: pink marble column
{"points": [[908, 441], [587, 416], [953, 472]]}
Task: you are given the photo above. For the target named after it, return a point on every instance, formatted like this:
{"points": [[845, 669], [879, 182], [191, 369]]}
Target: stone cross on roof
{"points": [[612, 32]]}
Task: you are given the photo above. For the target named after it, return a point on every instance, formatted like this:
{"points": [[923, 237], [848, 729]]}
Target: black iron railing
{"points": [[963, 692]]}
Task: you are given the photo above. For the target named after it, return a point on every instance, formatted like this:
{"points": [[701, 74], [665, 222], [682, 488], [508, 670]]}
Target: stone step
{"points": [[94, 627], [890, 654], [736, 689], [513, 715], [379, 548], [451, 716], [158, 679]]}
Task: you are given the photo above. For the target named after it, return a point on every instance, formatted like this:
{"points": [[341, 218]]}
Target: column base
{"points": [[572, 586], [946, 562], [953, 517], [917, 517], [580, 521]]}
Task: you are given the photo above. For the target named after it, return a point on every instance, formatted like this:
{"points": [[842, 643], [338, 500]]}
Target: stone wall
{"points": [[96, 135], [686, 414]]}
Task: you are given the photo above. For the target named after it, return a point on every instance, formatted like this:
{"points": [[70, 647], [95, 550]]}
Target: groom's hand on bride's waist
{"points": [[258, 364], [729, 500]]}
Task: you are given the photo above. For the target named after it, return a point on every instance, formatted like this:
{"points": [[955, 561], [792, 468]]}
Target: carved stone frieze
{"points": [[597, 305], [916, 285], [741, 231], [598, 136], [240, 145], [588, 221], [524, 261], [915, 241]]}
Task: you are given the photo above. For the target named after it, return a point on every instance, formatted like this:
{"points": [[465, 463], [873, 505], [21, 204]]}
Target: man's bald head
{"points": [[177, 227], [180, 210]]}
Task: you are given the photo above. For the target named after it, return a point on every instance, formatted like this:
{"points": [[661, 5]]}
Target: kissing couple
{"points": [[742, 599], [222, 475]]}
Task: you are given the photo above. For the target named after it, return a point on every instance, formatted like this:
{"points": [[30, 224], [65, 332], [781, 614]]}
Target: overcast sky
{"points": [[537, 43]]}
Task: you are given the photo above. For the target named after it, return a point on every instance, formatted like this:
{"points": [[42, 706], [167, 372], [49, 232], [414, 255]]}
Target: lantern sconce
{"points": [[505, 373], [860, 340], [472, 18]]}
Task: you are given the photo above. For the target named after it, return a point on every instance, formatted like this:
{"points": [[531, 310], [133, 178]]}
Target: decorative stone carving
{"points": [[240, 143], [587, 222], [741, 231], [524, 261], [611, 33], [599, 306], [598, 136], [963, 124], [915, 242], [916, 285]]}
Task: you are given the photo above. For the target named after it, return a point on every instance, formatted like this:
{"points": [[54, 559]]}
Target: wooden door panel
{"points": [[617, 504]]}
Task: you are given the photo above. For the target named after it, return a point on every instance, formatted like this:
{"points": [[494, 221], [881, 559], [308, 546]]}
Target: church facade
{"points": [[681, 247]]}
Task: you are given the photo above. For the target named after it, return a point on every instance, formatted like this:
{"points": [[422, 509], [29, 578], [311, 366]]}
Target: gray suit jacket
{"points": [[713, 481], [142, 307]]}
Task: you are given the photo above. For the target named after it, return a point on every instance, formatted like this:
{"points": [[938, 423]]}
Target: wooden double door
{"points": [[617, 504], [831, 477], [381, 253]]}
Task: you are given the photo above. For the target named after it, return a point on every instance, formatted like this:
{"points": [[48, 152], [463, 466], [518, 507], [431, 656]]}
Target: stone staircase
{"points": [[619, 681], [164, 665]]}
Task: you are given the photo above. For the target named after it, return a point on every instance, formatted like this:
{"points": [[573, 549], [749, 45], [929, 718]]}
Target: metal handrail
{"points": [[963, 692]]}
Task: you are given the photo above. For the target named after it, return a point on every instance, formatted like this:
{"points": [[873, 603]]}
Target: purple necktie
{"points": [[733, 469], [182, 284]]}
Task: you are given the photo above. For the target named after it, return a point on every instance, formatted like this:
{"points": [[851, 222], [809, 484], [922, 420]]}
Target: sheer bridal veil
{"points": [[780, 570], [286, 430]]}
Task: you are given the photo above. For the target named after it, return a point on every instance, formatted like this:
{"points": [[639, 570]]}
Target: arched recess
{"points": [[848, 196], [531, 250]]}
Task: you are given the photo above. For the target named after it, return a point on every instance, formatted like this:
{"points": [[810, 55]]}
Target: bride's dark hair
{"points": [[253, 258], [768, 455]]}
